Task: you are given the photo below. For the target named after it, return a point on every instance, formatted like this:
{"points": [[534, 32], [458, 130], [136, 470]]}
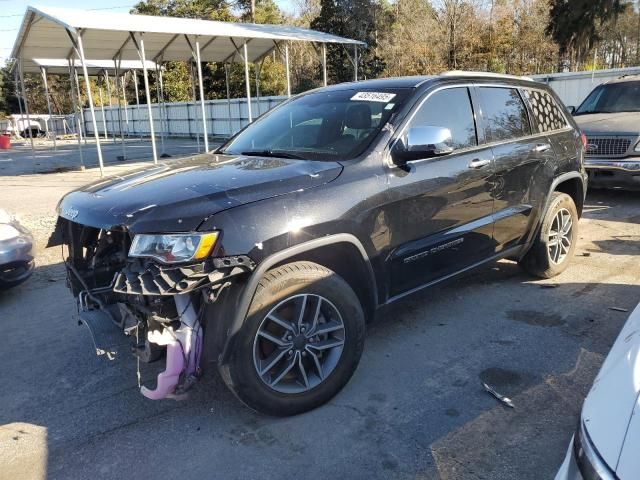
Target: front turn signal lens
{"points": [[207, 241]]}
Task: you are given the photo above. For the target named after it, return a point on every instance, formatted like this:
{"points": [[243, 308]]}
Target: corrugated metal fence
{"points": [[573, 87], [180, 119]]}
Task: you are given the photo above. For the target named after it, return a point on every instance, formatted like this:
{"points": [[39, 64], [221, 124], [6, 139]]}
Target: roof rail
{"points": [[465, 73]]}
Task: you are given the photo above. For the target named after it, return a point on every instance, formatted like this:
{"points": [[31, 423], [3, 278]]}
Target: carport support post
{"points": [[324, 64], [201, 87], [152, 132], [355, 62], [26, 110], [247, 81], [106, 77], [135, 81], [226, 81], [74, 100], [160, 96], [286, 63], [257, 69], [124, 148], [16, 79], [123, 82], [48, 95], [83, 122], [104, 116], [165, 110], [85, 74], [195, 103]]}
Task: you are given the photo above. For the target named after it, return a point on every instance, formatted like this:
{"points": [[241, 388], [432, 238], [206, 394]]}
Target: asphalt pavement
{"points": [[415, 408]]}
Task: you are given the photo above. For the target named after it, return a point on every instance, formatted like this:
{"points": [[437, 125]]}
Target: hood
{"points": [[624, 123], [178, 196], [610, 412]]}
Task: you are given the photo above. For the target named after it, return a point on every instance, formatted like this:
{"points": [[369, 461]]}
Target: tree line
{"points": [[403, 37]]}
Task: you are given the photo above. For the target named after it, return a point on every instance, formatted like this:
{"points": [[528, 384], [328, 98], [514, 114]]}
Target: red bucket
{"points": [[5, 142]]}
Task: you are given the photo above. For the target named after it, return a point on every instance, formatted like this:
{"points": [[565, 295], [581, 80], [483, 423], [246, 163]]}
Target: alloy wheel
{"points": [[560, 232], [298, 343]]}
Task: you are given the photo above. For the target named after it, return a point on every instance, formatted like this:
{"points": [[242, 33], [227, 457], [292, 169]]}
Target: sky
{"points": [[12, 12]]}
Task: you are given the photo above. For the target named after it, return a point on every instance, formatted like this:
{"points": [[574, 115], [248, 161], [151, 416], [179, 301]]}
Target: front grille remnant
{"points": [[607, 146], [145, 277]]}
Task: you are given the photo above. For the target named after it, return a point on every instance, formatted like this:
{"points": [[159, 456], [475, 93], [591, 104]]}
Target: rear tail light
{"points": [[583, 137]]}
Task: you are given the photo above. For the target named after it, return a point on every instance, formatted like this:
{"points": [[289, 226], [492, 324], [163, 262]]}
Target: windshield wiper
{"points": [[271, 153]]}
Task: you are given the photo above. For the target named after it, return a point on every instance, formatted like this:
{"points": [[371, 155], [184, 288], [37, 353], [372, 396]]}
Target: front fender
{"points": [[246, 293]]}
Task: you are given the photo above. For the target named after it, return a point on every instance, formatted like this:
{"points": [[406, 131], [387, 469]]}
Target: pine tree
{"points": [[573, 25], [355, 19]]}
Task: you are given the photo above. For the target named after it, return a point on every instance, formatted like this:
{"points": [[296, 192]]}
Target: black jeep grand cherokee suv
{"points": [[269, 256]]}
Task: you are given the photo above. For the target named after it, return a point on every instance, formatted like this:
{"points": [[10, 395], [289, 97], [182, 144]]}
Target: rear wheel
{"points": [[300, 343], [556, 241]]}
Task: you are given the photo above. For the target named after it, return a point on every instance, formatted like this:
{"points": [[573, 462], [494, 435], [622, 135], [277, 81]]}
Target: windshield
{"points": [[611, 98], [325, 125]]}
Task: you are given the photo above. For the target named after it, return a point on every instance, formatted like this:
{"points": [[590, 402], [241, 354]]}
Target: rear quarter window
{"points": [[547, 114], [505, 113]]}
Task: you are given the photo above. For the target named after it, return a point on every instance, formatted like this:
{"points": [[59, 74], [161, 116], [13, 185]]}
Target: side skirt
{"points": [[510, 252]]}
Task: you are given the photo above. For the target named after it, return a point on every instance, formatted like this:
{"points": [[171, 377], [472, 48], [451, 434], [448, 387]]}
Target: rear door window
{"points": [[547, 115], [449, 108], [505, 114]]}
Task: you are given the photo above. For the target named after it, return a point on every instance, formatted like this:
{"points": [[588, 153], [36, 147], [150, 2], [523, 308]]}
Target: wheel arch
{"points": [[352, 263], [571, 183], [573, 186]]}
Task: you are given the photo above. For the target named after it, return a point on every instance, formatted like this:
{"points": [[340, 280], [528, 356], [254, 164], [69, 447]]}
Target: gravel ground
{"points": [[414, 409]]}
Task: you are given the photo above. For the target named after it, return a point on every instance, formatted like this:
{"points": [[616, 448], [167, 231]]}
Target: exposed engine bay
{"points": [[159, 307]]}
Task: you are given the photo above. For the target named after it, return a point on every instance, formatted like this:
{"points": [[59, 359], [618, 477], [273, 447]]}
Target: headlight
{"points": [[7, 232], [174, 247], [637, 147]]}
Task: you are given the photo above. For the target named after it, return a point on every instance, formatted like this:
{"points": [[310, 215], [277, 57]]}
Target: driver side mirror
{"points": [[423, 142]]}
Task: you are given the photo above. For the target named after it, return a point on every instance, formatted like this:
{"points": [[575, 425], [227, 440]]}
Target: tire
{"points": [[543, 259], [282, 294]]}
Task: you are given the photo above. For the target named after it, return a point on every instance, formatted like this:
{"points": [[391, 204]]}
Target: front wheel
{"points": [[301, 341], [556, 241]]}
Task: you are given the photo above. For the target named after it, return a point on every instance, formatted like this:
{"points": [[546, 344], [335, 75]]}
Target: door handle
{"points": [[478, 163], [541, 147]]}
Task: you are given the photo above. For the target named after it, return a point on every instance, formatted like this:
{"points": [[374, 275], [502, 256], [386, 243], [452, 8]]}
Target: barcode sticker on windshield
{"points": [[374, 96]]}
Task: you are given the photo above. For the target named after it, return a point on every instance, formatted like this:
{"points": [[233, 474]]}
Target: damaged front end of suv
{"points": [[146, 259], [152, 288]]}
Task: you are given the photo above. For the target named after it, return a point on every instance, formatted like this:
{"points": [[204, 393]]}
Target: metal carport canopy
{"points": [[70, 34], [106, 35]]}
